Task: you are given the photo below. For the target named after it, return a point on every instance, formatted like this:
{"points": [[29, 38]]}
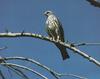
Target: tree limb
{"points": [[95, 3], [55, 74], [73, 48], [24, 67]]}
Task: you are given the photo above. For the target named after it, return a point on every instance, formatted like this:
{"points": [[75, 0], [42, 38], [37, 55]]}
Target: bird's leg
{"points": [[51, 38], [58, 39]]}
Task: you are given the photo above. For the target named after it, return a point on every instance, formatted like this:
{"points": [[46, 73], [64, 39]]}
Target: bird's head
{"points": [[47, 13]]}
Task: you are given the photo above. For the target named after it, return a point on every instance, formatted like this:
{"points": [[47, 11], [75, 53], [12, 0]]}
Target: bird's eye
{"points": [[47, 12]]}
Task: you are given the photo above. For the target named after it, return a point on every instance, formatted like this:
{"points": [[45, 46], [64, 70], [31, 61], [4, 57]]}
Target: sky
{"points": [[81, 23]]}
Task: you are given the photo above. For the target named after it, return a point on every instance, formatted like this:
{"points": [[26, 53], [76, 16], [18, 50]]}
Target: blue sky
{"points": [[81, 23]]}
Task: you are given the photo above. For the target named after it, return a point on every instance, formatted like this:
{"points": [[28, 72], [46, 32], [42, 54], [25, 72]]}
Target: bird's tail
{"points": [[63, 51]]}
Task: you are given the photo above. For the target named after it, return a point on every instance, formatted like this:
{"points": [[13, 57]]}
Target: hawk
{"points": [[55, 31]]}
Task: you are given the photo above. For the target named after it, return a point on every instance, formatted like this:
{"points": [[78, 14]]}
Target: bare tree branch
{"points": [[55, 74], [18, 72], [2, 48], [73, 48], [87, 44], [73, 75], [2, 75], [24, 67], [95, 3]]}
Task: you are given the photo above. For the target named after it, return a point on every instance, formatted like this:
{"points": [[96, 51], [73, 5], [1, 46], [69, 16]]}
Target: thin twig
{"points": [[2, 60], [24, 67], [35, 62], [73, 75], [2, 75], [2, 48], [18, 72], [55, 74], [87, 44]]}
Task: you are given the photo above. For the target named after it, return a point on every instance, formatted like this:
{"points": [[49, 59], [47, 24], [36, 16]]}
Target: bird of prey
{"points": [[55, 31]]}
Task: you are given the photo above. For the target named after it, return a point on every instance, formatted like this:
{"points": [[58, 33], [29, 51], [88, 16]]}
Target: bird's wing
{"points": [[47, 28], [61, 32]]}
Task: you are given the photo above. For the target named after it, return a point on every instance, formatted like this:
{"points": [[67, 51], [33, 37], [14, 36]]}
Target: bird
{"points": [[54, 30]]}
